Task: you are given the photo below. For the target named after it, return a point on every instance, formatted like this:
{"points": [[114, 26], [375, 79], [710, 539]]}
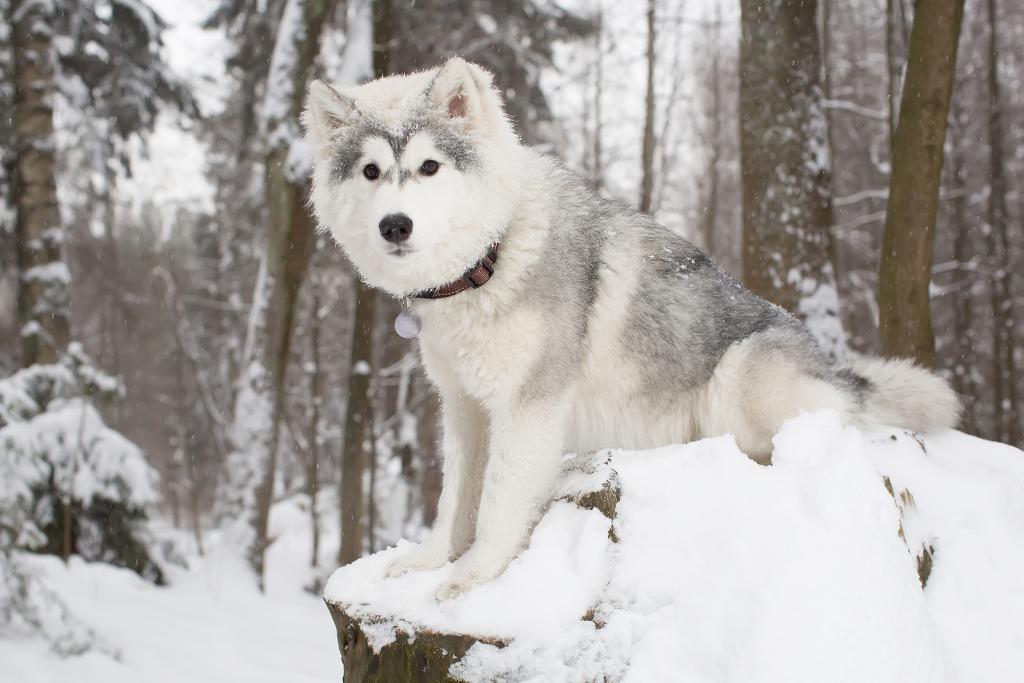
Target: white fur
{"points": [[908, 396], [502, 445]]}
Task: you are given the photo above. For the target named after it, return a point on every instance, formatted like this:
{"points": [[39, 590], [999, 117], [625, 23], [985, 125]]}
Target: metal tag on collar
{"points": [[407, 323]]}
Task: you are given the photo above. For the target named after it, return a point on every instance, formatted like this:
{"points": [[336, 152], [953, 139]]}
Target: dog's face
{"points": [[404, 173]]}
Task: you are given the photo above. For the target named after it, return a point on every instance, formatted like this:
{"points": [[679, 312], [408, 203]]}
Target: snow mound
{"points": [[210, 624], [718, 569]]}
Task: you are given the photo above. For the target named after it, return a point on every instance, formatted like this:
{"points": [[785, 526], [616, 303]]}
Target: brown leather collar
{"points": [[477, 276]]}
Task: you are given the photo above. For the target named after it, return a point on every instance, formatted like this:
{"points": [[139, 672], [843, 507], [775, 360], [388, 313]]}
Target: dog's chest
{"points": [[491, 356]]}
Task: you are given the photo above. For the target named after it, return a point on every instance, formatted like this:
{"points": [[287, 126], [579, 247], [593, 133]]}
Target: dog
{"points": [[554, 319]]}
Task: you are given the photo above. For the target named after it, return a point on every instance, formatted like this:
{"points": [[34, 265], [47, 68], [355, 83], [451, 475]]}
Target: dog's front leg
{"points": [[462, 448], [524, 460]]}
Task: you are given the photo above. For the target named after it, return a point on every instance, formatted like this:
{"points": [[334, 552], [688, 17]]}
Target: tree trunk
{"points": [[358, 435], [289, 241], [316, 392], [288, 246], [784, 153], [710, 222], [43, 300], [905, 327], [597, 151], [963, 299], [431, 477], [1006, 408], [358, 427], [892, 68], [647, 153]]}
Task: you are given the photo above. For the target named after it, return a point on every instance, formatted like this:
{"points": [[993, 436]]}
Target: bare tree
{"points": [[892, 63], [316, 399], [963, 255], [647, 153], [709, 224], [357, 446], [260, 406], [905, 327], [1006, 404]]}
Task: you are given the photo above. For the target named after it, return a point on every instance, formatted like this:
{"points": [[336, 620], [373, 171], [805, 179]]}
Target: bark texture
{"points": [[43, 301], [784, 152], [426, 658], [905, 325]]}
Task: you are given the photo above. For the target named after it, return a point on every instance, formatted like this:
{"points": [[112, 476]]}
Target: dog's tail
{"points": [[897, 393]]}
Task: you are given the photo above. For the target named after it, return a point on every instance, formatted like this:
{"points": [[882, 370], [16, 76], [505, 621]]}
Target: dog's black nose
{"points": [[395, 227]]}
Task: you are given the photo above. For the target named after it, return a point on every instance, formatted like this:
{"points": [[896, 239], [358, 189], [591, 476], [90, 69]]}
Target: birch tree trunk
{"points": [[905, 326], [784, 156], [43, 300]]}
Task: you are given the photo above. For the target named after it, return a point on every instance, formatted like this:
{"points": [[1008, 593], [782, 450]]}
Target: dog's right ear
{"points": [[327, 111], [458, 90]]}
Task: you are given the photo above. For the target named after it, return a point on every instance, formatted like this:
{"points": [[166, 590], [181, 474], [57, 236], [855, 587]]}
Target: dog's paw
{"points": [[457, 586], [420, 559], [469, 573]]}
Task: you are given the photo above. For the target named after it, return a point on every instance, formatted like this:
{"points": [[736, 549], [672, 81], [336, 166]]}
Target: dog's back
{"points": [[661, 346]]}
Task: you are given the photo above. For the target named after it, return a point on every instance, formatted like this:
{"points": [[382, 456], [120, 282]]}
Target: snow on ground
{"points": [[210, 624], [723, 571], [729, 571]]}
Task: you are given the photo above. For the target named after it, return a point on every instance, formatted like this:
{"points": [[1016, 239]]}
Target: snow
{"points": [[725, 570], [55, 271], [819, 308], [283, 62], [87, 457], [567, 537], [210, 624]]}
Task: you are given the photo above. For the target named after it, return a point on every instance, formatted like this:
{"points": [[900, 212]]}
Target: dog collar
{"points": [[475, 277], [408, 324]]}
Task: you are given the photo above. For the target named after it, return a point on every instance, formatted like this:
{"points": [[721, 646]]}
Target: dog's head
{"points": [[411, 173]]}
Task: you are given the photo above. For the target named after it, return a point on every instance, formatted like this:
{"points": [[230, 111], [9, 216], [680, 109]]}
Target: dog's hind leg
{"points": [[758, 385]]}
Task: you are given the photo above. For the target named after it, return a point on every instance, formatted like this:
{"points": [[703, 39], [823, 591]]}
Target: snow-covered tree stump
{"points": [[684, 560], [426, 656]]}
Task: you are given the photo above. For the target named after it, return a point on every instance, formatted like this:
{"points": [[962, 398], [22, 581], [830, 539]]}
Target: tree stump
{"points": [[423, 656]]}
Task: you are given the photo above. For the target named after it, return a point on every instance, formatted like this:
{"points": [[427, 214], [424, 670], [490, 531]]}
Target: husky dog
{"points": [[594, 327]]}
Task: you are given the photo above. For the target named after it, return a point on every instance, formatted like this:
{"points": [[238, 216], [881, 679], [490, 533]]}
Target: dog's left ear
{"points": [[327, 111], [460, 89]]}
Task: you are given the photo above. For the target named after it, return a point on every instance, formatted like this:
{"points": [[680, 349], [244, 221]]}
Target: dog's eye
{"points": [[429, 167], [371, 172]]}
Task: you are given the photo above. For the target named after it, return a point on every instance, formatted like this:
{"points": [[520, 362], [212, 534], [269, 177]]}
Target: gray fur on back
{"points": [[684, 314]]}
